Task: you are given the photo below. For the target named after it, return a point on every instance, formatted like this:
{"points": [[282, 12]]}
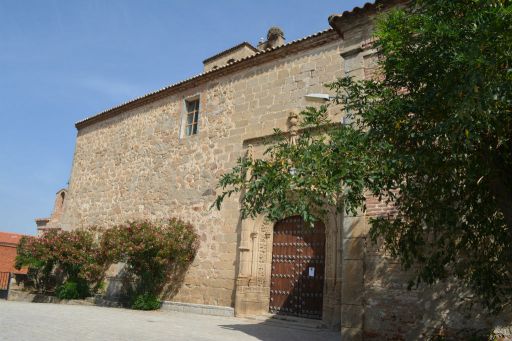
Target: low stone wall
{"points": [[98, 300], [23, 296], [202, 309]]}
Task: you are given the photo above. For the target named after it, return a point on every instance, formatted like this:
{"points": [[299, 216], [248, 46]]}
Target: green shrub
{"points": [[72, 290], [146, 302], [151, 251]]}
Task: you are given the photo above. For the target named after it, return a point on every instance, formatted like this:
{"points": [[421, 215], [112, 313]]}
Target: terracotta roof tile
{"points": [[377, 4], [236, 47], [332, 19], [42, 219], [10, 238], [237, 62], [357, 9]]}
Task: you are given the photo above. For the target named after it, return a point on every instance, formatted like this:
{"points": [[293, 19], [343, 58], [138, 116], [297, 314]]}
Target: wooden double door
{"points": [[298, 267]]}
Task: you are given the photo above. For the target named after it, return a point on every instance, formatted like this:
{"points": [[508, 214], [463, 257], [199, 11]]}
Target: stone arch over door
{"points": [[252, 296]]}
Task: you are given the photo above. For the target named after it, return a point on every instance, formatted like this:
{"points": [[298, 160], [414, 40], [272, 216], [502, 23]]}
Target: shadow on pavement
{"points": [[283, 331]]}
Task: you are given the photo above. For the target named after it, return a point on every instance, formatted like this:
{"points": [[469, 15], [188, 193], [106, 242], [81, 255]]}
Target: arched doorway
{"points": [[298, 268]]}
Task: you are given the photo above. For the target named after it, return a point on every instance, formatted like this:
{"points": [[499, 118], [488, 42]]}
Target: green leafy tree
{"points": [[305, 177], [432, 135]]}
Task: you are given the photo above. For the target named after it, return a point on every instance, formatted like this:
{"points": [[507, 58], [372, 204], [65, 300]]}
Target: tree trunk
{"points": [[501, 188]]}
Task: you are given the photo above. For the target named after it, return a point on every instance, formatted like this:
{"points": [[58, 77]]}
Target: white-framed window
{"points": [[191, 122]]}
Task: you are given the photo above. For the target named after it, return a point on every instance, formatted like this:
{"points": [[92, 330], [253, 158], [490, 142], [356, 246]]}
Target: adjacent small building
{"points": [[8, 244], [53, 220]]}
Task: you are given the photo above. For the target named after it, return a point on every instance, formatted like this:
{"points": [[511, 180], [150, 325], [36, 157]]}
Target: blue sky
{"points": [[64, 60]]}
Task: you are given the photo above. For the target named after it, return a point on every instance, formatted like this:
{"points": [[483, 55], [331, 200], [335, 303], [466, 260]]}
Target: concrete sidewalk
{"points": [[53, 322]]}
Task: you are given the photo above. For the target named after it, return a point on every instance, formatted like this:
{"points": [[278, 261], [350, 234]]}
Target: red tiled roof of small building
{"points": [[10, 238]]}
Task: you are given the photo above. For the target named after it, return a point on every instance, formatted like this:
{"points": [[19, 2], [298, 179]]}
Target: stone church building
{"points": [[161, 155]]}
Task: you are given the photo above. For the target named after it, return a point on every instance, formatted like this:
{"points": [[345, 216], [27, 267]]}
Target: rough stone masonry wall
{"points": [[392, 312], [135, 166]]}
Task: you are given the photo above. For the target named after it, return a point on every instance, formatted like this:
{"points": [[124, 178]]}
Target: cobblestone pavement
{"points": [[53, 322]]}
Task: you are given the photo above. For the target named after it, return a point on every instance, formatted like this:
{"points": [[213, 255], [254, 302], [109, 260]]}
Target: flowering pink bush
{"points": [[58, 256], [79, 258]]}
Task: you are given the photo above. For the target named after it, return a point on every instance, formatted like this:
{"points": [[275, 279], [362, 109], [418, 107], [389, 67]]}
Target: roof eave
{"points": [[240, 64], [341, 22], [231, 49]]}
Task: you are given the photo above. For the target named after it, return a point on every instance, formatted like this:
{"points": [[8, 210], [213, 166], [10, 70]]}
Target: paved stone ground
{"points": [[53, 322]]}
